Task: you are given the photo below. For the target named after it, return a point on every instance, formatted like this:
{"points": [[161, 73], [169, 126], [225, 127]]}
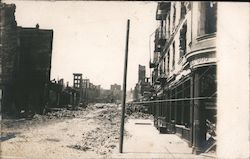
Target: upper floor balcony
{"points": [[155, 80], [160, 39], [153, 64], [163, 76], [163, 9]]}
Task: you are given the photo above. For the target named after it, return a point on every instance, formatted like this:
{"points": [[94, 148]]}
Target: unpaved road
{"points": [[90, 133]]}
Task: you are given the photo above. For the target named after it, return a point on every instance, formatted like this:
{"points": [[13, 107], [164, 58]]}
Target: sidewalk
{"points": [[146, 142]]}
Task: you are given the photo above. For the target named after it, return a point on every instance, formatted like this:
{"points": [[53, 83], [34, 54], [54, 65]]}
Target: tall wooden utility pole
{"points": [[124, 91]]}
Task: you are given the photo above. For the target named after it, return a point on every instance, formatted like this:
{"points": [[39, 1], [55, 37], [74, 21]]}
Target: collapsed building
{"points": [[80, 94], [90, 92]]}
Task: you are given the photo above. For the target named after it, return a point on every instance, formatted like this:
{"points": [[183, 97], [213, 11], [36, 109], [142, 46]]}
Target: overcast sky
{"points": [[89, 37]]}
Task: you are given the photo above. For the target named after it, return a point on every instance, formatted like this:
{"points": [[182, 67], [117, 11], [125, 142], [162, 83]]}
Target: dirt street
{"points": [[86, 133]]}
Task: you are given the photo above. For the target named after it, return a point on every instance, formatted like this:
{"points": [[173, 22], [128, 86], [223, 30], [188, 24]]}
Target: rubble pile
{"points": [[137, 112], [64, 113], [104, 138], [58, 113], [140, 115]]}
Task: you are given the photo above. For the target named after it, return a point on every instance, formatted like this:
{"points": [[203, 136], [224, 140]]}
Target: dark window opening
{"points": [[164, 65], [183, 40], [161, 71], [183, 10], [174, 17], [168, 55], [173, 62], [169, 26], [210, 17]]}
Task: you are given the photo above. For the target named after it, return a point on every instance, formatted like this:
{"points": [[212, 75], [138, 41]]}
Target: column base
{"points": [[196, 150]]}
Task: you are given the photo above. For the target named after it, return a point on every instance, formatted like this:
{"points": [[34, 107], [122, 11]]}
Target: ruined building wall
{"points": [[34, 68], [8, 54]]}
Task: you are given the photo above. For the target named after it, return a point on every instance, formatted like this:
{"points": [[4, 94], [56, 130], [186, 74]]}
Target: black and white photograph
{"points": [[124, 79]]}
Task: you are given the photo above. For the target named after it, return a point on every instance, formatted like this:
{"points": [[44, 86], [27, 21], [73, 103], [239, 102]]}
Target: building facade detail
{"points": [[184, 67]]}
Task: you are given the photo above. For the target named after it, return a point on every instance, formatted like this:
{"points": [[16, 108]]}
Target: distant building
{"points": [[77, 80], [114, 87], [91, 92], [141, 73], [129, 95], [143, 87], [116, 93]]}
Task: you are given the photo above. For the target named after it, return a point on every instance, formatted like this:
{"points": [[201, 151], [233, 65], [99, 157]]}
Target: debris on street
{"points": [[140, 115], [94, 129], [105, 137]]}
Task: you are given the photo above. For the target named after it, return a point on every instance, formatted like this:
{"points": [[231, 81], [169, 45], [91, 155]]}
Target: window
{"points": [[168, 55], [183, 10], [211, 17], [162, 30], [161, 70], [174, 16], [164, 65], [173, 62], [168, 29], [183, 39], [208, 17]]}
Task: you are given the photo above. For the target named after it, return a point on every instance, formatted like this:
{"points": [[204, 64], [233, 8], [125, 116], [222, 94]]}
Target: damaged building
{"points": [[33, 74], [25, 64], [91, 92], [9, 55], [142, 88], [184, 71]]}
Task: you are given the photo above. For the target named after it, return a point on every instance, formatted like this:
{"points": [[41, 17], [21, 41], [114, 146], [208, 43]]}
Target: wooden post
{"points": [[124, 91]]}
